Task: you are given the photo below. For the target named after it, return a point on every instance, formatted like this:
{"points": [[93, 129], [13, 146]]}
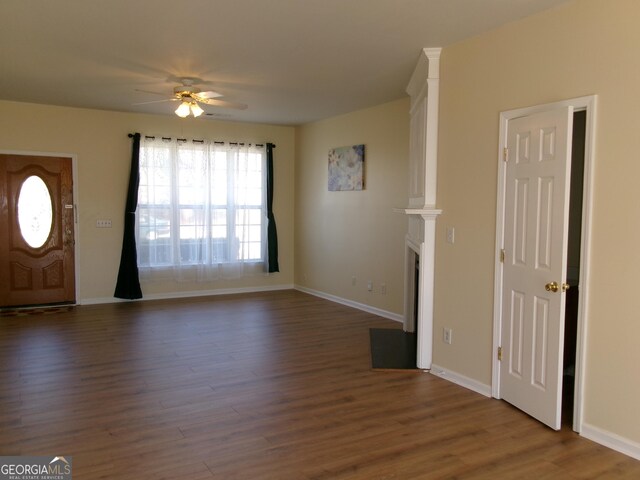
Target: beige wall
{"points": [[340, 235], [99, 141], [585, 47]]}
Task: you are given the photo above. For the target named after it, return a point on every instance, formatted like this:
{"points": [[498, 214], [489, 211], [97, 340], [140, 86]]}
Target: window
{"points": [[200, 205]]}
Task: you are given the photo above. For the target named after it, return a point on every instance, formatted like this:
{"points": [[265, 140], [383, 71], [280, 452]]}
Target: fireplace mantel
{"points": [[425, 213]]}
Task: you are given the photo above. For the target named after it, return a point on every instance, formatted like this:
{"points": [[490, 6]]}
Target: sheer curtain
{"points": [[202, 209]]}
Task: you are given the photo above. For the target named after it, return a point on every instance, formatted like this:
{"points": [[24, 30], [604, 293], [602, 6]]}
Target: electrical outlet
{"points": [[369, 285], [447, 335]]}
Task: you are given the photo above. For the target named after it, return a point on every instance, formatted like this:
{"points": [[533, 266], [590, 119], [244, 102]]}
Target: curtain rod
{"points": [[216, 142]]}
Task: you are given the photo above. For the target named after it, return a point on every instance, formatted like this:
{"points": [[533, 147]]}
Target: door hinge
{"points": [[499, 354], [505, 154], [502, 256]]}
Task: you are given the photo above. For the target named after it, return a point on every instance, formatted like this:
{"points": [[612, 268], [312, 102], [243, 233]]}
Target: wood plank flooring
{"points": [[262, 386]]}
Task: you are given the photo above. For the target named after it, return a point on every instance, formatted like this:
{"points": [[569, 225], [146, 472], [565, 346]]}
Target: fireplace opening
{"points": [[412, 291], [395, 348], [416, 295]]}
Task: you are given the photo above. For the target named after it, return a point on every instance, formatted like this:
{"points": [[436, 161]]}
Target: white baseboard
{"points": [[611, 440], [595, 434], [350, 303], [461, 380], [188, 294]]}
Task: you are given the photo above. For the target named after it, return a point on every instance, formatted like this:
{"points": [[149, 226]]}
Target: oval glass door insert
{"points": [[35, 215]]}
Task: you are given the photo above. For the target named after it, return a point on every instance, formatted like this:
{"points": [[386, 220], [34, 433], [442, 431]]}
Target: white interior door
{"points": [[534, 271]]}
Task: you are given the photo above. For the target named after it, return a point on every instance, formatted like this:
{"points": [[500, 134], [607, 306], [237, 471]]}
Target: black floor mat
{"points": [[392, 349]]}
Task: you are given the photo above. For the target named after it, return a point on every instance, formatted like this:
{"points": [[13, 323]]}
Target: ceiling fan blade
{"points": [[157, 101], [214, 102], [208, 94]]}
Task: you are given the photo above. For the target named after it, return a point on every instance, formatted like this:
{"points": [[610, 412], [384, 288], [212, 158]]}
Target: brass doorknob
{"points": [[551, 287]]}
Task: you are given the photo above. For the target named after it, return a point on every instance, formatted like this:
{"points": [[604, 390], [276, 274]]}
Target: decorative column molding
{"points": [[423, 88]]}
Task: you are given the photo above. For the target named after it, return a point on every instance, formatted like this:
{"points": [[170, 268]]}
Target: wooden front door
{"points": [[36, 231]]}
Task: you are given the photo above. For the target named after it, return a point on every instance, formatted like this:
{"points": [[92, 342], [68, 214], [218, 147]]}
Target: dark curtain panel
{"points": [[272, 234], [128, 285]]}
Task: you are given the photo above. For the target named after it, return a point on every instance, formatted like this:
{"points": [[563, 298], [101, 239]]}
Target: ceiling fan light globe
{"points": [[183, 110], [196, 110]]}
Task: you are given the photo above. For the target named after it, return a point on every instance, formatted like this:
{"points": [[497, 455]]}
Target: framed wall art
{"points": [[346, 168]]}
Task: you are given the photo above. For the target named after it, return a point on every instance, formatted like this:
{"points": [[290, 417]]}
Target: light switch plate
{"points": [[451, 235], [103, 223]]}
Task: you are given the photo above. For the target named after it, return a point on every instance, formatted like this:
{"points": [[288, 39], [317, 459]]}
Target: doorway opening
{"points": [[573, 265]]}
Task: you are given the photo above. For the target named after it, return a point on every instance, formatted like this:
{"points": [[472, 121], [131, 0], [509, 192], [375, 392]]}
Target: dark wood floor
{"points": [[262, 386]]}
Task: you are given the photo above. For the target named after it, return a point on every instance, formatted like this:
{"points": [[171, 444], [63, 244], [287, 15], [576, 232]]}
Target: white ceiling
{"points": [[291, 61]]}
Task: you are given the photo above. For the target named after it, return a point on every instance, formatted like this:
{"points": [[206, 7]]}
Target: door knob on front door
{"points": [[551, 287]]}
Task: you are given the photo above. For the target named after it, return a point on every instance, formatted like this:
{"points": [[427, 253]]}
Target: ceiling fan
{"points": [[191, 96]]}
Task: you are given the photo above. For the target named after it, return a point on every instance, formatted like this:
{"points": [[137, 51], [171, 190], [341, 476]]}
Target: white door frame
{"points": [[589, 104], [76, 230]]}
